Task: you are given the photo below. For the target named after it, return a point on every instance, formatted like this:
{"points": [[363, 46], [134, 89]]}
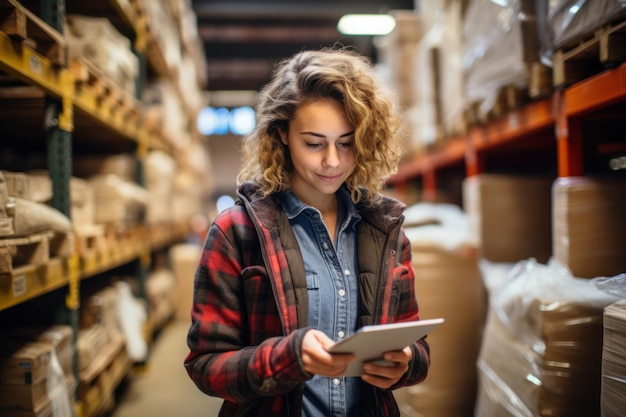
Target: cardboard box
{"points": [[23, 396], [449, 285], [590, 226], [24, 363], [612, 398], [184, 260], [59, 337], [510, 216]]}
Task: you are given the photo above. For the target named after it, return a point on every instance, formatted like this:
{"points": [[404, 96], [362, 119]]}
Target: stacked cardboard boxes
{"points": [[36, 377]]}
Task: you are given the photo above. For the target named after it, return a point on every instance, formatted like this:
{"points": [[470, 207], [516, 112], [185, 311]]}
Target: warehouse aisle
{"points": [[162, 388]]}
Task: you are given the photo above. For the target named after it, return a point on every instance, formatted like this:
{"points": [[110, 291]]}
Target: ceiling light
{"points": [[366, 24]]}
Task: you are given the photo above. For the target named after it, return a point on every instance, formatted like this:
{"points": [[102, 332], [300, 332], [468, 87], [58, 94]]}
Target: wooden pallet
{"points": [[512, 97], [590, 53], [108, 94], [90, 239], [34, 249], [508, 98], [98, 382], [23, 25]]}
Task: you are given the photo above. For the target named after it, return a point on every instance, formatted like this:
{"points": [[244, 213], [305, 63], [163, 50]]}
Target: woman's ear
{"points": [[283, 137]]}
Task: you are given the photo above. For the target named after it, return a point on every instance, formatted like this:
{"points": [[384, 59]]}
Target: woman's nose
{"points": [[331, 158]]}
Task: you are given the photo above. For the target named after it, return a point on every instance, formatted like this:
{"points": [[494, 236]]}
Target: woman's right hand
{"points": [[317, 360]]}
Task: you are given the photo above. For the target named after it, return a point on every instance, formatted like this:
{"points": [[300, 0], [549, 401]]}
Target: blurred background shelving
{"points": [[513, 115]]}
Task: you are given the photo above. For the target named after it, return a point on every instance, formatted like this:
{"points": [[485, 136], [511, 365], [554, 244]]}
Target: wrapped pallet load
{"points": [[542, 346], [568, 20], [448, 284], [501, 44], [439, 104], [612, 399]]}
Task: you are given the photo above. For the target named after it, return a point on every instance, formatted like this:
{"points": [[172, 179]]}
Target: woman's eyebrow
{"points": [[319, 135]]}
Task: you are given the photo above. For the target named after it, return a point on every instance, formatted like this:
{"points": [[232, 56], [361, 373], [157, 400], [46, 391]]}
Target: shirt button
{"points": [[346, 272], [340, 333], [336, 381], [325, 246]]}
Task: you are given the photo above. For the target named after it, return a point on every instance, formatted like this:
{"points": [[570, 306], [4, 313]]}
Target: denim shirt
{"points": [[331, 274]]}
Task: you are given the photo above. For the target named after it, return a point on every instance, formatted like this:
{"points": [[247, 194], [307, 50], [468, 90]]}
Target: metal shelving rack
{"points": [[556, 120], [69, 103]]}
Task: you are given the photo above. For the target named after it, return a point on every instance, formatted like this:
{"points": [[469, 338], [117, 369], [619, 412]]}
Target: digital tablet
{"points": [[370, 342]]}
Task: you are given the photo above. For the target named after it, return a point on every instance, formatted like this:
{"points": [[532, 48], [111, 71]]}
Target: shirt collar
{"points": [[293, 206]]}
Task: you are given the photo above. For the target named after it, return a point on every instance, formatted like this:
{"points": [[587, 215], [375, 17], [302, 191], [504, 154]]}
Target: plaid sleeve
{"points": [[231, 312], [419, 365]]}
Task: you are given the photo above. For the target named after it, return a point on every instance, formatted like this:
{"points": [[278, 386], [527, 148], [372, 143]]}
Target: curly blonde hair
{"points": [[340, 74]]}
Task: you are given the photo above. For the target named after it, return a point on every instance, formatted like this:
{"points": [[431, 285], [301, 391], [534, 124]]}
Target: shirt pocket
{"points": [[313, 293]]}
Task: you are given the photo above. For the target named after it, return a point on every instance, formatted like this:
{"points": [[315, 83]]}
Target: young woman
{"points": [[311, 252]]}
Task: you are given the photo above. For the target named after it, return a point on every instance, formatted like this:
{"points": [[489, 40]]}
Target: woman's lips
{"points": [[329, 178]]}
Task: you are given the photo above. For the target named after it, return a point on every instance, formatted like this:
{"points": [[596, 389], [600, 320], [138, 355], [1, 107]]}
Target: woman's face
{"points": [[321, 145]]}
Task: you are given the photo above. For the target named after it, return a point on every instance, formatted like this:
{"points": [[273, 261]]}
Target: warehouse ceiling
{"points": [[244, 39]]}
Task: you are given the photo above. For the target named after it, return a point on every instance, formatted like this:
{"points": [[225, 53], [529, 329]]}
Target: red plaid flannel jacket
{"points": [[250, 307]]}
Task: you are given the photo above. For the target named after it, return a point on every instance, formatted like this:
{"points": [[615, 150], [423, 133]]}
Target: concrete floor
{"points": [[162, 388]]}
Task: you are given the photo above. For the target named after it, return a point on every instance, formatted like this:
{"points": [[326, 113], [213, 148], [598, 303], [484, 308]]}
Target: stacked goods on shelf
{"points": [[184, 260], [612, 398], [193, 184], [162, 297], [118, 199], [159, 176], [192, 70], [118, 202], [36, 377], [420, 60], [33, 231], [192, 96], [589, 225], [510, 216], [501, 46], [97, 41], [567, 22], [193, 49], [100, 350], [97, 89], [581, 37], [83, 212], [448, 284], [396, 69], [396, 53], [165, 109], [439, 111], [163, 28], [110, 339], [542, 346]]}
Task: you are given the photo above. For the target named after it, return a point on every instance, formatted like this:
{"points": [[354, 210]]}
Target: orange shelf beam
{"points": [[599, 91], [562, 112], [516, 125], [451, 152]]}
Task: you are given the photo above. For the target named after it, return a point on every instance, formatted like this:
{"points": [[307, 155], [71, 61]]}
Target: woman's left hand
{"points": [[385, 376]]}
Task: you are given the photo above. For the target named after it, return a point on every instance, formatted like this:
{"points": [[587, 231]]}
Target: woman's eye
{"points": [[345, 144], [314, 145]]}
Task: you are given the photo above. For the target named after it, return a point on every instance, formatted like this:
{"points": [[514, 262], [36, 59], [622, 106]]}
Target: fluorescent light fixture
{"points": [[366, 24]]}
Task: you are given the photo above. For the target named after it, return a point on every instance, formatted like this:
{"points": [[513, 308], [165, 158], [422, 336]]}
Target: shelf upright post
{"points": [[58, 128], [429, 185], [139, 47], [474, 161], [569, 136]]}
